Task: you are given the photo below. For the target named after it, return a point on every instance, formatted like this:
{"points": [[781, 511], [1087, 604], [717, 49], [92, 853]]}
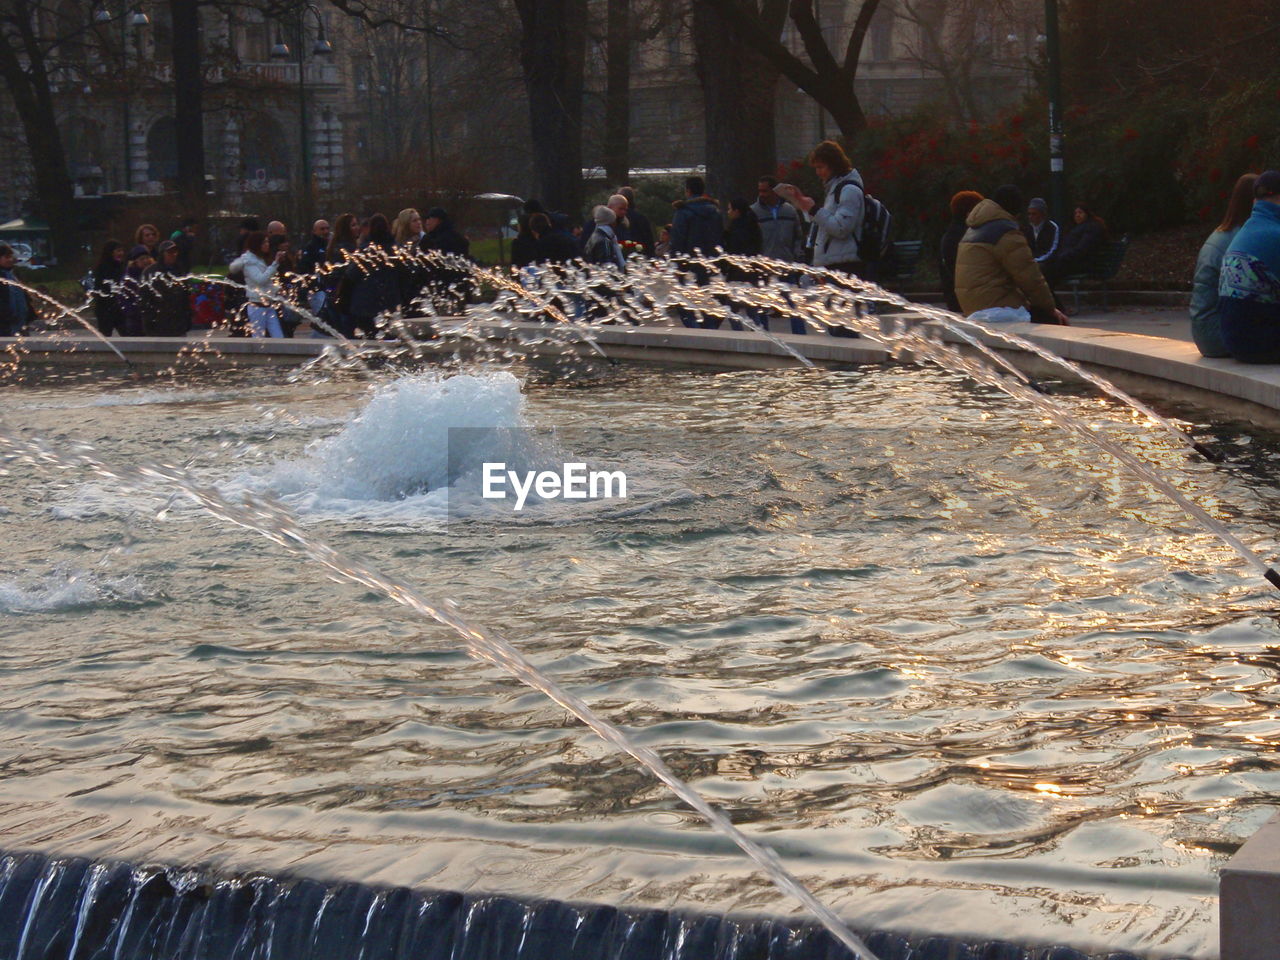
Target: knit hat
{"points": [[139, 251], [1037, 203], [604, 215], [1267, 184]]}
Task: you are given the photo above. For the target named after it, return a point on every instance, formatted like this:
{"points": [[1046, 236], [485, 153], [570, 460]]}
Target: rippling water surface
{"points": [[960, 671]]}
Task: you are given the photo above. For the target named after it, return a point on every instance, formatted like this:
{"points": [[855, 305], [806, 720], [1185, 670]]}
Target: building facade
{"points": [[353, 109]]}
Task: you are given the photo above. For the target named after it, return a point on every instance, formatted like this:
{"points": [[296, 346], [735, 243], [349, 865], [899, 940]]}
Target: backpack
{"points": [[877, 224]]}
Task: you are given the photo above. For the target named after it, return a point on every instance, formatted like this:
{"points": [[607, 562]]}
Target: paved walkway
{"points": [[1171, 323]]}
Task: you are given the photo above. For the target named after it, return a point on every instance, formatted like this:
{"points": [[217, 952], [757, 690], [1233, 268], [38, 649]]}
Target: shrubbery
{"points": [[1147, 161]]}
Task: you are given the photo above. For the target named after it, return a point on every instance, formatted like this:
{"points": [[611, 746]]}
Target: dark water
{"points": [[962, 674]]}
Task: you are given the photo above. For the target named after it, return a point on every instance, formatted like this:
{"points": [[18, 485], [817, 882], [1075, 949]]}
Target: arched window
{"points": [[82, 140], [264, 150], [162, 151]]}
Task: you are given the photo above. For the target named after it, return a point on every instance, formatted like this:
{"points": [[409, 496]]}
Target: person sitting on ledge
{"points": [[1206, 325], [1249, 291], [994, 265]]}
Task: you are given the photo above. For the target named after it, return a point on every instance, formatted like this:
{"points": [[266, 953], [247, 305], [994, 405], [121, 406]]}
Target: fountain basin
{"points": [[950, 677]]}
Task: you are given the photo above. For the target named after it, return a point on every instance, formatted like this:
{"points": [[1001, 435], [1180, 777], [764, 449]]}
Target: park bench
{"points": [[900, 265], [1101, 267], [904, 260]]}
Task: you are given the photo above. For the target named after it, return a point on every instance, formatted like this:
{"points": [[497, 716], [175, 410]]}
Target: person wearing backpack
{"points": [[839, 238]]}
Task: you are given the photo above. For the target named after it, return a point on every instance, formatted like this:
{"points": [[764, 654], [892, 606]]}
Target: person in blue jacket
{"points": [[1249, 288], [1206, 324]]}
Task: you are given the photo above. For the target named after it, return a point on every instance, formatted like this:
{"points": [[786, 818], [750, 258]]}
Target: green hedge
{"points": [[1154, 159]]}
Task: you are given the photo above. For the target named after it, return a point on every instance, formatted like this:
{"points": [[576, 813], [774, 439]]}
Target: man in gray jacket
{"points": [[781, 224]]}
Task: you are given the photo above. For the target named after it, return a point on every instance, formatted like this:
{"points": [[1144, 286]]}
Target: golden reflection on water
{"points": [[905, 634]]}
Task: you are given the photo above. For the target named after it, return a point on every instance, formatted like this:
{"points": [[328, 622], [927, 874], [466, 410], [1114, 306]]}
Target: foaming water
{"points": [[962, 678], [398, 445], [68, 589]]}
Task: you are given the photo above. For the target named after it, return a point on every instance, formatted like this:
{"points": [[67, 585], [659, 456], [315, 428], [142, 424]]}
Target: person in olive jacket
{"points": [[994, 265]]}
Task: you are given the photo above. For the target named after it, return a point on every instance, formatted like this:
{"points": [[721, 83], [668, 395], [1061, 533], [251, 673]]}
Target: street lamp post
{"points": [[1057, 162], [131, 19], [280, 51]]}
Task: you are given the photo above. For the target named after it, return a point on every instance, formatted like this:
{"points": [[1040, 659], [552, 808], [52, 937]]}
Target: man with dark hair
{"points": [[165, 300], [551, 245], [16, 310], [247, 226], [697, 225], [994, 265], [696, 229], [781, 225]]}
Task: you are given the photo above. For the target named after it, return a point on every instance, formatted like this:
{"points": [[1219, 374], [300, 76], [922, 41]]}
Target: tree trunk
{"points": [[836, 95], [617, 95], [28, 84], [553, 47], [739, 89], [188, 114]]}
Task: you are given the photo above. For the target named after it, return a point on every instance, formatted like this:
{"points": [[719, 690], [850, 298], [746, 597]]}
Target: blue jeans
{"points": [[264, 321], [1250, 329]]}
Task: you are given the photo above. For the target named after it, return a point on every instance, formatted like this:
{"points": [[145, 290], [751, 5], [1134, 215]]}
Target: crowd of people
{"points": [[1001, 251], [147, 289]]}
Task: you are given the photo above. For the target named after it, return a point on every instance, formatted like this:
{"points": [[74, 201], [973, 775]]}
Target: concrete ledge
{"points": [[1249, 898], [716, 348], [1168, 369]]}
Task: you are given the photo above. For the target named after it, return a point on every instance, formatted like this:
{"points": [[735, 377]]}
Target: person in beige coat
{"points": [[995, 266]]}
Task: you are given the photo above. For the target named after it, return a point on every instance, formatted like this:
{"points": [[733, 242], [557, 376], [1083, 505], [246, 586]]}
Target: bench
{"points": [[900, 265], [1103, 264]]}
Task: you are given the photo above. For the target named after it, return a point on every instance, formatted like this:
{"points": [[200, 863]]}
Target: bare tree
{"points": [[821, 73], [34, 36], [967, 43], [629, 24], [553, 43]]}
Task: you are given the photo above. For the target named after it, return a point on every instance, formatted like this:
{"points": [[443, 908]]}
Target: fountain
{"points": [[849, 606]]}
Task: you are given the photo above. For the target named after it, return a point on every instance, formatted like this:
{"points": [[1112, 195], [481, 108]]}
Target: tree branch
{"points": [[750, 27], [853, 52], [815, 44]]}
